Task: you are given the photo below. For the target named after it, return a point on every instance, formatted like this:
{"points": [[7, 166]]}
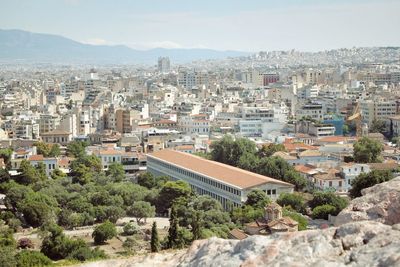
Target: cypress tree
{"points": [[173, 229], [155, 242]]}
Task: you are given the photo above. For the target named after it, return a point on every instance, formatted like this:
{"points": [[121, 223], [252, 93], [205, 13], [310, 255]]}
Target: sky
{"points": [[243, 25]]}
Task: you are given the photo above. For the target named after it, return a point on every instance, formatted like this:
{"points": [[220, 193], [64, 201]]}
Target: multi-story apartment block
{"points": [[163, 65], [377, 109]]}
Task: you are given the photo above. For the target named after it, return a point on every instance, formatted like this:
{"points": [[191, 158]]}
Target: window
{"points": [[269, 192], [330, 183], [274, 191]]}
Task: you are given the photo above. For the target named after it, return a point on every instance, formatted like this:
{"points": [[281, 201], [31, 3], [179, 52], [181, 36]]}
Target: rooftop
{"points": [[225, 173]]}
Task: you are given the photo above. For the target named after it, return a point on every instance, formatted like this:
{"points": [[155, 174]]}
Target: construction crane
{"points": [[356, 117]]}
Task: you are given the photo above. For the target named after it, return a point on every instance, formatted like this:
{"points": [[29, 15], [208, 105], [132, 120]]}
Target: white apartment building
{"points": [[349, 171], [131, 161], [194, 125], [189, 79], [260, 121], [164, 64], [227, 184], [377, 109], [315, 111]]}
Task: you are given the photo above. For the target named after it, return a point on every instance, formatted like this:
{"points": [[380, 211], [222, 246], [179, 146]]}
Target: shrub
{"points": [[84, 253], [131, 228], [104, 232], [303, 222], [322, 212], [25, 243], [295, 201], [28, 258], [329, 198]]}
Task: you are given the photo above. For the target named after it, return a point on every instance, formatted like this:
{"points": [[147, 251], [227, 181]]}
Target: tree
{"points": [[5, 154], [328, 198], [323, 211], [172, 238], [229, 151], [104, 232], [278, 168], [365, 180], [154, 241], [76, 148], [141, 210], [29, 174], [42, 148], [295, 201], [38, 208], [249, 162], [116, 172], [246, 214], [57, 174], [4, 176], [270, 149], [54, 150], [367, 150], [171, 191], [150, 181], [377, 126], [197, 224], [257, 198]]}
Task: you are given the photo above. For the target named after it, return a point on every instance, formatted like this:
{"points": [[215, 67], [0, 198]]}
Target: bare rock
{"points": [[379, 203]]}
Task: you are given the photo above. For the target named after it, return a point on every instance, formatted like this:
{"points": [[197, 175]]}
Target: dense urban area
{"points": [[109, 161]]}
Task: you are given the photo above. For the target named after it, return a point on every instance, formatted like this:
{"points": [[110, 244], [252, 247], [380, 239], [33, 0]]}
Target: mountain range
{"points": [[24, 46]]}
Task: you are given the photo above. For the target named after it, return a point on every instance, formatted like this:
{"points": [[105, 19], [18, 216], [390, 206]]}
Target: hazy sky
{"points": [[247, 25]]}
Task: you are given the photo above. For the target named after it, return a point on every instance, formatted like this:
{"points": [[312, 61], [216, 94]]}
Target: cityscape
{"points": [[127, 143]]}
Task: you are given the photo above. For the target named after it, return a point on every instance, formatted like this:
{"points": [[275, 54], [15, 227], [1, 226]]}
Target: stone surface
{"points": [[379, 203], [367, 234]]}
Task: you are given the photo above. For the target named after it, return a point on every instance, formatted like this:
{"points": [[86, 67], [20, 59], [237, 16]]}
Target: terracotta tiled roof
{"points": [[225, 173], [298, 146], [236, 233], [36, 158], [303, 168], [383, 166]]}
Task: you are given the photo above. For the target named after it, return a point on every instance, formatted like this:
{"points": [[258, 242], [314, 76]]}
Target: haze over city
{"points": [[223, 25]]}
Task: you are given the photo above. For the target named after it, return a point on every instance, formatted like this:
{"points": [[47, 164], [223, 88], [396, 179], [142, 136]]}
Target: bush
{"points": [[28, 258], [131, 228], [366, 180], [303, 222], [103, 232], [329, 198], [25, 243], [84, 253], [322, 212], [130, 244], [294, 201]]}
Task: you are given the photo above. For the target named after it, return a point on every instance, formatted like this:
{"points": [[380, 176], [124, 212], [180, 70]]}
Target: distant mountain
{"points": [[23, 46]]}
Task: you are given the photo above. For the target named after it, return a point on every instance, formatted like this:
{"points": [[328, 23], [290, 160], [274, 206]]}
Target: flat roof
{"points": [[225, 173]]}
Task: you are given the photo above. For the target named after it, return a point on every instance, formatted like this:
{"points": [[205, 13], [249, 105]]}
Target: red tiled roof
{"points": [[219, 171], [36, 158]]}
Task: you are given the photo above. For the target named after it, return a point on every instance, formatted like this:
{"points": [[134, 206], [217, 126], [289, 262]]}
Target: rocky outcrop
{"points": [[353, 244], [379, 203], [372, 240]]}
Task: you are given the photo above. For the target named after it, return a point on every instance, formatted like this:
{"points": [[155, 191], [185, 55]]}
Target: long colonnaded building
{"points": [[228, 184]]}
